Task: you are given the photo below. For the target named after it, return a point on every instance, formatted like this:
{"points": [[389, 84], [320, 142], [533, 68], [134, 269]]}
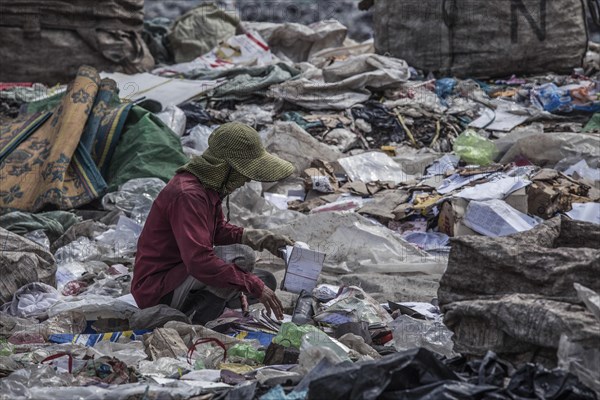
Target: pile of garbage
{"points": [[457, 221]]}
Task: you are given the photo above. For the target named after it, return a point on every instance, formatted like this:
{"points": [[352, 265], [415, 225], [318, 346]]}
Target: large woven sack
{"points": [[47, 41], [477, 38]]}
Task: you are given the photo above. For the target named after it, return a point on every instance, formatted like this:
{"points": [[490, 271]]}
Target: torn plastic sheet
{"points": [[372, 167], [354, 243], [496, 218]]}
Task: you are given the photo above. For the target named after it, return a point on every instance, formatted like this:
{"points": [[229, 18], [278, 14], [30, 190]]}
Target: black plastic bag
{"points": [[536, 382], [367, 380], [383, 122]]}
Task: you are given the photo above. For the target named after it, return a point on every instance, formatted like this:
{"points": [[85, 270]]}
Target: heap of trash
{"points": [[450, 225]]}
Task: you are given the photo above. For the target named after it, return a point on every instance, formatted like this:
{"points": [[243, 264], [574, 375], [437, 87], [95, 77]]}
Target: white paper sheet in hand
{"points": [[303, 267], [496, 218]]}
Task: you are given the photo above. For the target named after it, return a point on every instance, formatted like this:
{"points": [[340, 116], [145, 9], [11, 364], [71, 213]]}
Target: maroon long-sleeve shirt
{"points": [[185, 222]]}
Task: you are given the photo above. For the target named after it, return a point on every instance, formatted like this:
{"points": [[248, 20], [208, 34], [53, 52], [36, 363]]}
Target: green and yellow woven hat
{"points": [[241, 147]]}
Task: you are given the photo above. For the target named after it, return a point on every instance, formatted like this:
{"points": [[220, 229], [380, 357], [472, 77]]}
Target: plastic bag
{"points": [[80, 250], [123, 239], [585, 363], [134, 197], [245, 353], [130, 353], [174, 118], [32, 300], [320, 340], [162, 367], [290, 334], [474, 149], [372, 167], [197, 139], [409, 333], [40, 237], [206, 354]]}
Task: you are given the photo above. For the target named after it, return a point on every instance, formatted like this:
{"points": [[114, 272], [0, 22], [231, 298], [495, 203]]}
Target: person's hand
{"points": [[262, 239], [271, 302]]}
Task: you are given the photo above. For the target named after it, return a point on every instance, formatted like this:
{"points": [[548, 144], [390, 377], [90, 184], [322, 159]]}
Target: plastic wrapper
{"points": [[372, 167], [15, 385], [74, 288], [174, 118], [320, 339], [353, 300], [81, 250], [474, 149], [206, 356], [40, 237], [290, 334], [130, 353], [197, 139], [134, 197], [69, 271], [111, 286], [245, 353], [433, 335]]}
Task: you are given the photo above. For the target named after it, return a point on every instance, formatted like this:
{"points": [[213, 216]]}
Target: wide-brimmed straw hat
{"points": [[241, 147]]}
